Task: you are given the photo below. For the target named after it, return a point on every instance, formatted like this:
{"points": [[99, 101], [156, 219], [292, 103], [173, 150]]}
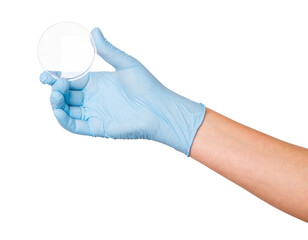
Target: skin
{"points": [[273, 170]]}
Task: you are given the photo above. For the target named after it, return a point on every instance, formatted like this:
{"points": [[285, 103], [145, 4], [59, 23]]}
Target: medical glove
{"points": [[129, 103]]}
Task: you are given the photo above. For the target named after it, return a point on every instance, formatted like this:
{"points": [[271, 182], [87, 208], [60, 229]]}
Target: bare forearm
{"points": [[273, 170]]}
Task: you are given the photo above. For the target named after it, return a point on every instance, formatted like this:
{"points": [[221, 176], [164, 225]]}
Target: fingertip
{"points": [[114, 56], [98, 37], [72, 125], [61, 116], [56, 95], [56, 99], [45, 78], [96, 31], [64, 82], [59, 113], [62, 85]]}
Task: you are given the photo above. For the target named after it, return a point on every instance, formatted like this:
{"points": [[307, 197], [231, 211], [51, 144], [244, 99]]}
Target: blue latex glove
{"points": [[129, 103]]}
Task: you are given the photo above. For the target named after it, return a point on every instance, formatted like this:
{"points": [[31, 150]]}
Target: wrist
{"points": [[180, 123], [198, 119], [199, 139]]}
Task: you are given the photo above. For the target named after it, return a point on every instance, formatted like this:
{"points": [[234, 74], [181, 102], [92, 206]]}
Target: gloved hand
{"points": [[129, 103]]}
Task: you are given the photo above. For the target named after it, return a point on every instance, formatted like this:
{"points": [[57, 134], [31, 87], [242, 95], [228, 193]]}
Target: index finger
{"points": [[46, 78]]}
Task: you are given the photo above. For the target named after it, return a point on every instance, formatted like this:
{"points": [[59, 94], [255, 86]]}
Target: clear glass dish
{"points": [[66, 50]]}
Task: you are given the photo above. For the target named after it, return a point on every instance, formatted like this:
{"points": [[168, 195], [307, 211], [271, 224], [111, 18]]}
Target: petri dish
{"points": [[66, 50]]}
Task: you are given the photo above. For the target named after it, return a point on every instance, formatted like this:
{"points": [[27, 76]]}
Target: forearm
{"points": [[273, 170]]}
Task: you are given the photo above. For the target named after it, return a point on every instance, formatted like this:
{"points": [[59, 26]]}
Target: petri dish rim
{"points": [[91, 40]]}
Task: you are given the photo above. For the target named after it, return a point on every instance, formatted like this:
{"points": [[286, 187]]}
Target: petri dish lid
{"points": [[66, 50]]}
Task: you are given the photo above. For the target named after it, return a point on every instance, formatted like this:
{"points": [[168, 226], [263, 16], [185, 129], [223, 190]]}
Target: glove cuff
{"points": [[180, 122], [196, 125]]}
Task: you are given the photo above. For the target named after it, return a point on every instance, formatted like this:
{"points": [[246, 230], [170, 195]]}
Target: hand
{"points": [[129, 103]]}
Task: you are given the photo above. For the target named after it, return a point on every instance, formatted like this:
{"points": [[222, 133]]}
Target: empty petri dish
{"points": [[66, 50]]}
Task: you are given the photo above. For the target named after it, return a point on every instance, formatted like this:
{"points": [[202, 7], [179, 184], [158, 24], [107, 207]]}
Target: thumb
{"points": [[114, 56]]}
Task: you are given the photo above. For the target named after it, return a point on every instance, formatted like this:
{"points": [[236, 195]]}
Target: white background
{"points": [[245, 59]]}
